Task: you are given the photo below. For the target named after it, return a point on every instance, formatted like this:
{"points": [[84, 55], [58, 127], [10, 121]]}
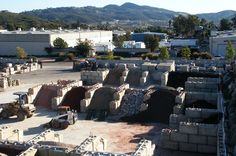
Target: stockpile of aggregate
{"points": [[178, 79], [113, 77], [102, 98], [201, 104], [44, 97], [73, 98], [131, 102], [133, 77], [160, 106]]}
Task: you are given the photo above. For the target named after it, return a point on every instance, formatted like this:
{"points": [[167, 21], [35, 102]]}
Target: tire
{"points": [[65, 124], [55, 124], [21, 116], [4, 114], [29, 116]]}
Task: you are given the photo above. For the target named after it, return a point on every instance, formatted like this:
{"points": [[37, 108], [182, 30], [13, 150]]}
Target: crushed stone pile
{"points": [[178, 79], [131, 102], [102, 98], [133, 77], [160, 106], [73, 98], [113, 77]]}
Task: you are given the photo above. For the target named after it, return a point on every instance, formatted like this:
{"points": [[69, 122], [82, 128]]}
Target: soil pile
{"points": [[102, 98], [113, 77], [44, 97], [160, 106], [73, 98], [133, 78], [131, 102], [201, 104], [178, 79]]}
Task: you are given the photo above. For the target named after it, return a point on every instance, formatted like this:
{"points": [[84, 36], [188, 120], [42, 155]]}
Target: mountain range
{"points": [[127, 11]]}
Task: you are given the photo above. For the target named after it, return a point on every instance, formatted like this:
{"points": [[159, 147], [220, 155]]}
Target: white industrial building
{"points": [[35, 41], [219, 40], [104, 47], [133, 44]]}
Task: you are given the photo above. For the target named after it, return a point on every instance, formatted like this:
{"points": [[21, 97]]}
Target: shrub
{"points": [[20, 53]]}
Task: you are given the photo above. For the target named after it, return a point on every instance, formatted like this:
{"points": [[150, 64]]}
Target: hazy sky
{"points": [[189, 6]]}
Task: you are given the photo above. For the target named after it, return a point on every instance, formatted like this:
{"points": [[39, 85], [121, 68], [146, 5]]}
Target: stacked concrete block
{"points": [[32, 93], [191, 97], [47, 135], [164, 67], [124, 76], [194, 69], [92, 143], [184, 67], [175, 119], [144, 78], [192, 137], [164, 78], [199, 113], [7, 133], [196, 86], [29, 152], [147, 66], [144, 148], [92, 77], [122, 66], [88, 97], [179, 99], [115, 104], [131, 65]]}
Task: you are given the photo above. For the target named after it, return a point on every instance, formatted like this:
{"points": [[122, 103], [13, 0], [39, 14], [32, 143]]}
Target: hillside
{"points": [[127, 11], [12, 21]]}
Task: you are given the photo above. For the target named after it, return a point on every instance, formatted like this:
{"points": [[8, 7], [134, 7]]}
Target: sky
{"points": [[189, 6]]}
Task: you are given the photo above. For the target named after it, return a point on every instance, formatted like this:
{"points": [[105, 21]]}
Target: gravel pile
{"points": [[133, 78], [113, 77], [131, 102]]}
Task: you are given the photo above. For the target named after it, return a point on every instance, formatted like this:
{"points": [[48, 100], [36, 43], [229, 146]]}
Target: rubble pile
{"points": [[131, 102]]}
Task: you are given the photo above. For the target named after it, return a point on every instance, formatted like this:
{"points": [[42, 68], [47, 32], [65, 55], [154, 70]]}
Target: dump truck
{"points": [[21, 108], [62, 121]]}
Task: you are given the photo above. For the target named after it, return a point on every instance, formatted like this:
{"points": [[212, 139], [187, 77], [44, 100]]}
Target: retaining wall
{"points": [[7, 133], [93, 77]]}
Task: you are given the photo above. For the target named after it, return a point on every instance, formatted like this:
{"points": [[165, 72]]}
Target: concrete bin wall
{"points": [[7, 133], [92, 77]]}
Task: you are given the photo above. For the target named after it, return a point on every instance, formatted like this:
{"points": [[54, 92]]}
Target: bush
{"points": [[71, 56], [20, 53], [150, 56], [201, 55]]}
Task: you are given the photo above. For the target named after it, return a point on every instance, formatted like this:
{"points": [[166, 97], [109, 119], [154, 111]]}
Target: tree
{"points": [[164, 54], [110, 55], [230, 51], [225, 24], [234, 21], [119, 40], [185, 53], [20, 53], [60, 43], [151, 42], [84, 47]]}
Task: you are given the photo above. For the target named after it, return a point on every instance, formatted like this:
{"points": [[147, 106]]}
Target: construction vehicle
{"points": [[86, 64], [20, 108], [62, 121], [63, 109]]}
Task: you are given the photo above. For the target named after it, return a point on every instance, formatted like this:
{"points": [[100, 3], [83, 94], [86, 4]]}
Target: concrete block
{"points": [[170, 145], [193, 112], [212, 140], [208, 129], [206, 149], [188, 128], [145, 74], [165, 135], [197, 139], [178, 109], [84, 104], [188, 147], [178, 137]]}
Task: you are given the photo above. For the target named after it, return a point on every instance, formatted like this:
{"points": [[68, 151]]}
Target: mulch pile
{"points": [[102, 98], [73, 98], [133, 78], [178, 79], [44, 97], [160, 106], [201, 104], [113, 77]]}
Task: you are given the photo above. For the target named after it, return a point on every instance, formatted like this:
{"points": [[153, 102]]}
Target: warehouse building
{"points": [[35, 41], [219, 41], [140, 37]]}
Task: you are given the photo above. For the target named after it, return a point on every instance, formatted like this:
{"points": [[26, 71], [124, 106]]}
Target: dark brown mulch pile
{"points": [[201, 104], [113, 77], [44, 97], [133, 78], [73, 98], [160, 106], [102, 98], [178, 79]]}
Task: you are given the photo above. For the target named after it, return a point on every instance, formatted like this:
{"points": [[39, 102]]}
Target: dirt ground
{"points": [[122, 137]]}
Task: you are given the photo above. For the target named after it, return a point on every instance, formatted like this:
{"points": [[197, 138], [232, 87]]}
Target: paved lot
{"points": [[122, 137]]}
